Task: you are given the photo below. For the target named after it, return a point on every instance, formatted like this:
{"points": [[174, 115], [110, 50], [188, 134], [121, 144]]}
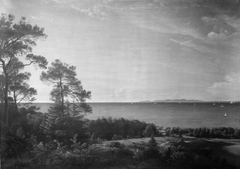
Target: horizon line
{"points": [[145, 101]]}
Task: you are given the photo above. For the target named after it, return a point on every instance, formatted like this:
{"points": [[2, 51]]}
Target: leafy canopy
{"points": [[66, 86]]}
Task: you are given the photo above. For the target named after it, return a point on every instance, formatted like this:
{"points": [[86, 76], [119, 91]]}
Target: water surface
{"points": [[203, 114]]}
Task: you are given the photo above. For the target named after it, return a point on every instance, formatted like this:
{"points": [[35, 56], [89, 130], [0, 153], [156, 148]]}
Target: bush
{"points": [[116, 137], [124, 152], [115, 144], [152, 151], [15, 145], [150, 130]]}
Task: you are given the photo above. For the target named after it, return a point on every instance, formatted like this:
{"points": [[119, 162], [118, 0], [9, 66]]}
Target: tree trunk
{"points": [[1, 134], [6, 99], [15, 99], [62, 97]]}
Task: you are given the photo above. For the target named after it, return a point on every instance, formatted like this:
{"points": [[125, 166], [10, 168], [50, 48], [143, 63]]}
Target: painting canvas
{"points": [[120, 83]]}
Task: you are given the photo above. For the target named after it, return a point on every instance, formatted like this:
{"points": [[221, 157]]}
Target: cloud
{"points": [[233, 78], [227, 89], [125, 94], [219, 29], [42, 16], [201, 46], [97, 11], [216, 36], [107, 1], [64, 1]]}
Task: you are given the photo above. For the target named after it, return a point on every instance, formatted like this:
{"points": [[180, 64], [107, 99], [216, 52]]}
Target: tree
{"points": [[150, 130], [1, 89], [17, 39], [20, 89], [66, 87], [66, 116]]}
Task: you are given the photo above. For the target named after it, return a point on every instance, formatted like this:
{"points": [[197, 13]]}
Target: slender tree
{"points": [[17, 39], [20, 89], [66, 87], [65, 118]]}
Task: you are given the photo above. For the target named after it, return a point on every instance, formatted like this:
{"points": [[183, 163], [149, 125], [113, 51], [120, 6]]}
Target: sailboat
{"points": [[225, 114]]}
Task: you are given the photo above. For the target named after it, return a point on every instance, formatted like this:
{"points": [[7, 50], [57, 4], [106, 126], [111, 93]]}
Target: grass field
{"points": [[227, 148]]}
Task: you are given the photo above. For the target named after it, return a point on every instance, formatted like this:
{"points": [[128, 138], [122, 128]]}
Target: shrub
{"points": [[152, 151], [15, 145], [115, 144], [150, 130], [124, 152], [79, 148], [116, 137]]}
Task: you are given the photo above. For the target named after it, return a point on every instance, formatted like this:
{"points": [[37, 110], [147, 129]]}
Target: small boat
{"points": [[225, 114], [222, 106], [213, 104]]}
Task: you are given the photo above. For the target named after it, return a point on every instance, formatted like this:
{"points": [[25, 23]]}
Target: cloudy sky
{"points": [[132, 50]]}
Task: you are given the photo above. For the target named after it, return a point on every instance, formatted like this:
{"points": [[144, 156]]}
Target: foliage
{"points": [[56, 154], [115, 144], [220, 132], [175, 156], [17, 39], [123, 151], [66, 86], [79, 148], [116, 137], [15, 144], [20, 89], [65, 118], [150, 130], [152, 142], [63, 128], [106, 128]]}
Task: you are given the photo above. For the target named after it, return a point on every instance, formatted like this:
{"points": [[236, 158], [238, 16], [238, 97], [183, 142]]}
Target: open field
{"points": [[220, 148]]}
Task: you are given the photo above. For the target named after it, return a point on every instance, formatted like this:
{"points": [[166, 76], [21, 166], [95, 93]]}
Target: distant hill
{"points": [[171, 100], [182, 100]]}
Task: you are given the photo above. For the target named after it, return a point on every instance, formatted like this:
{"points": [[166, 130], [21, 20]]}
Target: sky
{"points": [[135, 50]]}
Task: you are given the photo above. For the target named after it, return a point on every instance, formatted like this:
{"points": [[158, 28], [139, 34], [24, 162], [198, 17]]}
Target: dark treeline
{"points": [[203, 132], [106, 128], [46, 127]]}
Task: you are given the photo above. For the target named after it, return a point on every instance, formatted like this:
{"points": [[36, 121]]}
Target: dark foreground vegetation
{"points": [[203, 132], [33, 140]]}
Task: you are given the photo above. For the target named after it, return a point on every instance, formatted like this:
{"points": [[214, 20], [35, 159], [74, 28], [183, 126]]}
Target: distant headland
{"points": [[170, 100]]}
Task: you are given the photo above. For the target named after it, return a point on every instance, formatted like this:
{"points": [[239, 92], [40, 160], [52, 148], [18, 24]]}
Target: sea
{"points": [[168, 114]]}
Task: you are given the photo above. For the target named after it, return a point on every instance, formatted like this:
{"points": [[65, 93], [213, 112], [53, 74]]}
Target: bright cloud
{"points": [[229, 89]]}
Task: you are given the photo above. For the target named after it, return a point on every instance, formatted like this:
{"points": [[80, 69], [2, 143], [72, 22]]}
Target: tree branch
{"points": [[20, 66], [14, 41], [19, 101]]}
